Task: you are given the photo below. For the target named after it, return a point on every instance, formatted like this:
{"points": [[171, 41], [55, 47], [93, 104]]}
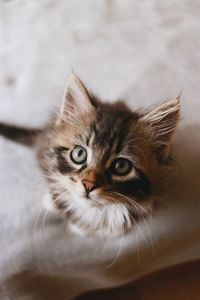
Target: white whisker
{"points": [[132, 201], [118, 252]]}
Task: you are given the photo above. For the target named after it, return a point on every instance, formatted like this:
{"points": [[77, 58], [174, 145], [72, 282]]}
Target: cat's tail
{"points": [[20, 135]]}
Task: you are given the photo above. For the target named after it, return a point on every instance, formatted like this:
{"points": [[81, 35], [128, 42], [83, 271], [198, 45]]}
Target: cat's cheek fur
{"points": [[49, 206], [47, 203]]}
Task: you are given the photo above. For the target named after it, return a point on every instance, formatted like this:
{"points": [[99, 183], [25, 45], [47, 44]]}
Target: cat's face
{"points": [[104, 161]]}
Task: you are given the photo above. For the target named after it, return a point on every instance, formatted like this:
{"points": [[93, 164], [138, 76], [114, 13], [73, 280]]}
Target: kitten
{"points": [[103, 162]]}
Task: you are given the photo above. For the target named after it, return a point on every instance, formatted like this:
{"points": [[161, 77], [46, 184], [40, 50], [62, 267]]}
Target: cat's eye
{"points": [[121, 166], [78, 155]]}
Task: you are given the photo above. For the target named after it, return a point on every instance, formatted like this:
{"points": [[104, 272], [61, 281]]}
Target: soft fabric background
{"points": [[143, 51]]}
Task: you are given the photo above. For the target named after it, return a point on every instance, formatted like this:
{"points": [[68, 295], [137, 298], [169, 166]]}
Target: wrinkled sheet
{"points": [[141, 51]]}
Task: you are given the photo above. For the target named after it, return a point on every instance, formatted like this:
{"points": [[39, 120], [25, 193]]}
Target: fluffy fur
{"points": [[107, 132]]}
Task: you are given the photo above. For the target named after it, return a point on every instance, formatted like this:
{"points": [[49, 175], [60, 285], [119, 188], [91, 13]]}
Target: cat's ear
{"points": [[76, 99], [161, 123]]}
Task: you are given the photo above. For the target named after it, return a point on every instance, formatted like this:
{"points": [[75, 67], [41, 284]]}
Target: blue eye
{"points": [[78, 155], [121, 166]]}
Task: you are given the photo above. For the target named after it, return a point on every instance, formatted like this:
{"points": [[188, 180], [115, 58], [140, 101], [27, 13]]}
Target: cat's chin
{"points": [[85, 218], [98, 217]]}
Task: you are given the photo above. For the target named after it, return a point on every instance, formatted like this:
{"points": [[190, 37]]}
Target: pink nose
{"points": [[88, 185]]}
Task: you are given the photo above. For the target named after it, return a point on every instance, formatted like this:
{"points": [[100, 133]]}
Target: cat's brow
{"points": [[59, 149]]}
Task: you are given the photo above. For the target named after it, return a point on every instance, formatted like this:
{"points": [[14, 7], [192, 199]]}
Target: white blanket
{"points": [[144, 51]]}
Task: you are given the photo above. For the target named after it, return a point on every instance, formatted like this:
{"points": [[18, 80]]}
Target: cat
{"points": [[103, 162]]}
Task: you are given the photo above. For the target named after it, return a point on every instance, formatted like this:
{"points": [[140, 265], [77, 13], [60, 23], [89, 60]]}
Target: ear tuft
{"points": [[76, 98], [161, 123]]}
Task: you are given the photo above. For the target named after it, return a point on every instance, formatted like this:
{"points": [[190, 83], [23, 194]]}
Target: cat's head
{"points": [[104, 161]]}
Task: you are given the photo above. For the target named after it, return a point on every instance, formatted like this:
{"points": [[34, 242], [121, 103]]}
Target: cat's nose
{"points": [[89, 186]]}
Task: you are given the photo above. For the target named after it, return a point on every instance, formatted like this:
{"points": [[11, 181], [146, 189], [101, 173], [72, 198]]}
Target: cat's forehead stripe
{"points": [[109, 129]]}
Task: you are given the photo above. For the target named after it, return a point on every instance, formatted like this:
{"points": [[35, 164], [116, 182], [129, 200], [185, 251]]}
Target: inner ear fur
{"points": [[160, 123], [76, 99]]}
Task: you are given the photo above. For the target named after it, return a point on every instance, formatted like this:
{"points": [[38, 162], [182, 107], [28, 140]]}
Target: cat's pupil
{"points": [[80, 152]]}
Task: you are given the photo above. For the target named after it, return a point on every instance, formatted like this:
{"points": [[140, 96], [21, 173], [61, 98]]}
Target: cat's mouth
{"points": [[101, 199], [102, 196], [94, 199]]}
